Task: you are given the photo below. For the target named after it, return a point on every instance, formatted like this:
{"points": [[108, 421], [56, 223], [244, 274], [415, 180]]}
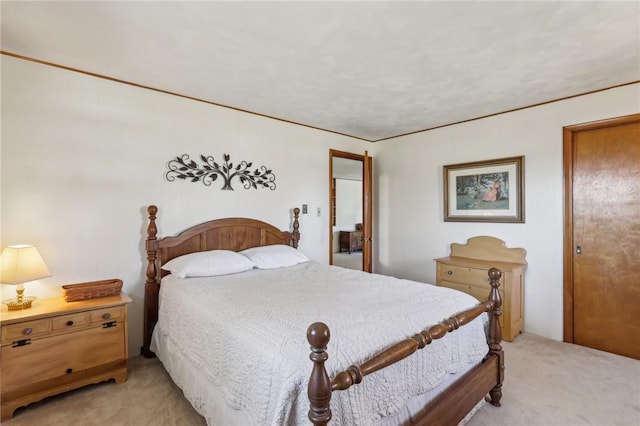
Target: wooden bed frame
{"points": [[221, 234], [236, 234]]}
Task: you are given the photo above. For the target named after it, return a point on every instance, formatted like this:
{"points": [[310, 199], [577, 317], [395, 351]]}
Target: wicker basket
{"points": [[91, 290]]}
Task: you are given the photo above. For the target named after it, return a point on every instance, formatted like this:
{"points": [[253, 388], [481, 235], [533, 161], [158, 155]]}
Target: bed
{"points": [[238, 344]]}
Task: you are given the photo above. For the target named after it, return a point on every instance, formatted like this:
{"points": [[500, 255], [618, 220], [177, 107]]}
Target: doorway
{"points": [[602, 235], [350, 210]]}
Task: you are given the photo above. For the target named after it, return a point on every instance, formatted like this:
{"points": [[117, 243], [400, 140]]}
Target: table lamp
{"points": [[21, 264]]}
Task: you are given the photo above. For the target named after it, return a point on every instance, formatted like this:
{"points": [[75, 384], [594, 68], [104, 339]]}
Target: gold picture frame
{"points": [[485, 191]]}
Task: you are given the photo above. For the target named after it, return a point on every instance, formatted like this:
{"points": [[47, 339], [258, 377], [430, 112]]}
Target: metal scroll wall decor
{"points": [[184, 168]]}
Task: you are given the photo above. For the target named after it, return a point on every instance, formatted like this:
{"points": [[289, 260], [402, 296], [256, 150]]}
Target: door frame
{"points": [[569, 149], [366, 198]]}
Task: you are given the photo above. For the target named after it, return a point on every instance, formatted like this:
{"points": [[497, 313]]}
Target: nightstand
{"points": [[57, 346]]}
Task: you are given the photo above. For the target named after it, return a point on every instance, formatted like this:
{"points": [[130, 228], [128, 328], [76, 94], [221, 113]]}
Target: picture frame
{"points": [[485, 191]]}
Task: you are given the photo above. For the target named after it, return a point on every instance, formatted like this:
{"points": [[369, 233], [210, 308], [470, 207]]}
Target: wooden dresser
{"points": [[466, 269], [350, 241], [56, 346]]}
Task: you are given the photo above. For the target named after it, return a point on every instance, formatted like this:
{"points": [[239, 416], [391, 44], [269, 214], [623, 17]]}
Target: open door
{"points": [[350, 207], [367, 207]]}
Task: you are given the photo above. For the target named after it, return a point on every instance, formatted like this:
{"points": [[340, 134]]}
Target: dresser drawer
{"points": [[466, 275], [480, 293], [70, 322], [44, 327], [59, 324], [61, 355], [25, 330], [114, 313]]}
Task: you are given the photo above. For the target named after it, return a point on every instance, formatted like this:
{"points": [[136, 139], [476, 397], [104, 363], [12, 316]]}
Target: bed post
{"points": [[295, 235], [319, 390], [151, 286], [495, 334]]}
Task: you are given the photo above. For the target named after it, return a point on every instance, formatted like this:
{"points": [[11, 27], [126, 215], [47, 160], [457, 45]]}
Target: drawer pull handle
{"points": [[69, 323], [109, 324], [69, 370], [27, 330], [18, 343], [449, 272], [106, 316]]}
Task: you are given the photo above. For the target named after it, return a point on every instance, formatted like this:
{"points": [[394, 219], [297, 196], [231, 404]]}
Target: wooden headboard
{"points": [[221, 234]]}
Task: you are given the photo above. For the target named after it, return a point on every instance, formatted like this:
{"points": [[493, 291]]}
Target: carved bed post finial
{"points": [[495, 332], [319, 390], [151, 285], [296, 227]]}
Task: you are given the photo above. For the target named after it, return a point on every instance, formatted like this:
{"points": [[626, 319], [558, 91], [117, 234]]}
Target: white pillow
{"points": [[274, 256], [208, 264]]}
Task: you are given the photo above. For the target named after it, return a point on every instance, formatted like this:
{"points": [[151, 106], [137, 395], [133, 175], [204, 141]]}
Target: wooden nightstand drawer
{"points": [[114, 313], [462, 274], [44, 327], [70, 322], [480, 293], [25, 330]]}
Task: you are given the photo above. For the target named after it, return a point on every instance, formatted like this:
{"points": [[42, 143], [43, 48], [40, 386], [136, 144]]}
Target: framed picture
{"points": [[485, 191]]}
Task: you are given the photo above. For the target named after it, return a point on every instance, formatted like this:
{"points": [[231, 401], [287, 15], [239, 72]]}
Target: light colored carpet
{"points": [[351, 260], [547, 383], [147, 398], [550, 383]]}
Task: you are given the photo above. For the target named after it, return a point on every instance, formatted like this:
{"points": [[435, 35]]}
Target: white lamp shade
{"points": [[21, 264]]}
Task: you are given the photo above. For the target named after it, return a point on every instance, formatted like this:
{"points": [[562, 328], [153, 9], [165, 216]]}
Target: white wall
{"points": [[348, 204], [82, 158], [408, 195]]}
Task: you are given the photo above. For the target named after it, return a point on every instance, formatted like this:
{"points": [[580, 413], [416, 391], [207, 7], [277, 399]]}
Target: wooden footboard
{"points": [[449, 407]]}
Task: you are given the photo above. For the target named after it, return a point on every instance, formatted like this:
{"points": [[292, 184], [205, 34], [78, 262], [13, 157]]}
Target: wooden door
{"points": [[602, 235], [367, 204]]}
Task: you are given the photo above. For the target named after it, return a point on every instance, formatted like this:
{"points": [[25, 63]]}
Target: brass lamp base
{"points": [[21, 301], [16, 304]]}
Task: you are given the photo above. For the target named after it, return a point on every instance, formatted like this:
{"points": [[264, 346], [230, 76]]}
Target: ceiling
{"points": [[347, 168], [371, 70]]}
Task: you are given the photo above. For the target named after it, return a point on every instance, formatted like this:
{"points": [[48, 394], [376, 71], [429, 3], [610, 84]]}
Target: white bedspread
{"points": [[246, 333]]}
